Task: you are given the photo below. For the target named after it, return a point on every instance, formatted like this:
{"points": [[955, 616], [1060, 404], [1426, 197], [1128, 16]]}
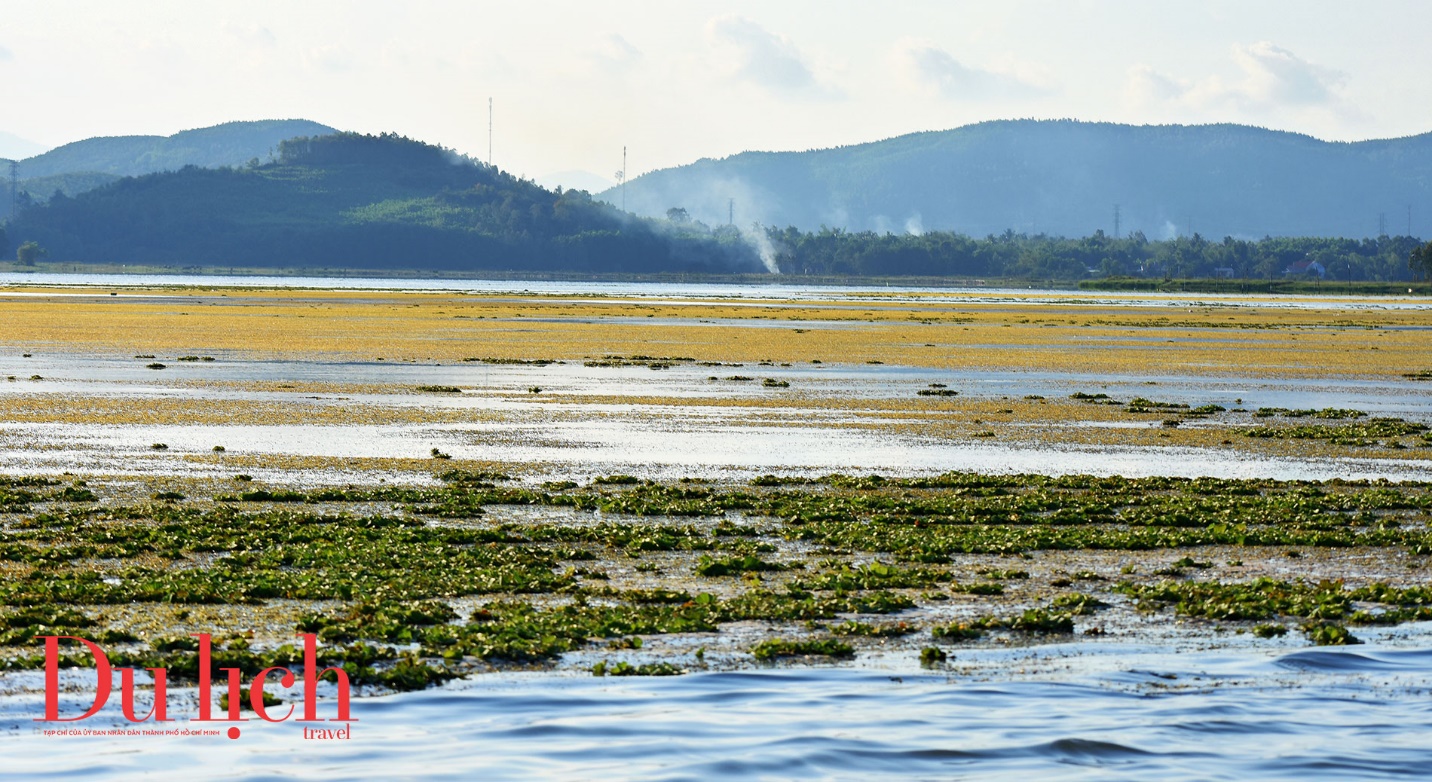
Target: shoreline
{"points": [[1278, 287]]}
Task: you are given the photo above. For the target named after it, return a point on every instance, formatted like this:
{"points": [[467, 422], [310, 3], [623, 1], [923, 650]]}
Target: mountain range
{"points": [[1065, 178], [84, 165]]}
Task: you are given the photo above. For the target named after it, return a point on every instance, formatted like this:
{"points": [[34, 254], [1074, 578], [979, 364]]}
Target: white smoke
{"points": [[1170, 231], [756, 237], [914, 225], [711, 201]]}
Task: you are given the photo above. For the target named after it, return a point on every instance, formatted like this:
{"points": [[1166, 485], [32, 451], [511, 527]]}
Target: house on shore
{"points": [[1305, 269]]}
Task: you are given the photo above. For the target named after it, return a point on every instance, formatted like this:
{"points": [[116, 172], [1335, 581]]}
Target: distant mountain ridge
{"points": [[229, 144], [82, 166], [1065, 178]]}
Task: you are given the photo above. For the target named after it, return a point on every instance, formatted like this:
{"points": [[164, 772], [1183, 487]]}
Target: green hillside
{"points": [[1065, 178], [355, 201]]}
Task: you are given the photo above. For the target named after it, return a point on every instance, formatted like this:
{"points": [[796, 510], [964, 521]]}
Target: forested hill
{"points": [[356, 201], [1065, 178]]}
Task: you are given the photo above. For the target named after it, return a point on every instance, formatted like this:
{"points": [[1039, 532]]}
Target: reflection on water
{"points": [[669, 290], [669, 447], [658, 440], [1085, 711]]}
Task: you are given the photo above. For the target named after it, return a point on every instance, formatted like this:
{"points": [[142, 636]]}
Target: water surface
{"points": [[1075, 711]]}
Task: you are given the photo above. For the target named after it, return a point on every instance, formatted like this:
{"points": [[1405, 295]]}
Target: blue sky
{"points": [[675, 81]]}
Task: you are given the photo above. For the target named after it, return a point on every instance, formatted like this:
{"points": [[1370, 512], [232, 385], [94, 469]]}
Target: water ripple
{"points": [[1309, 714]]}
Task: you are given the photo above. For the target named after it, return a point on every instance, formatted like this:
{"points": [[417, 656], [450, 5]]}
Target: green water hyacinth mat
{"points": [[406, 586]]}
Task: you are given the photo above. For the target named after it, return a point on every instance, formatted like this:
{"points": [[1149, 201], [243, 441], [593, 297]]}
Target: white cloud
{"points": [[616, 53], [927, 68], [1147, 86], [1277, 76], [1269, 78], [751, 53], [251, 34], [331, 57]]}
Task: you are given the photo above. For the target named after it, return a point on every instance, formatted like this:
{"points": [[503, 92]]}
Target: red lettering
{"points": [[311, 675], [206, 702], [126, 690], [104, 679], [236, 694], [256, 694]]}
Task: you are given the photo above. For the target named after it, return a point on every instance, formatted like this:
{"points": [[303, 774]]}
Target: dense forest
{"points": [[364, 202], [1021, 256]]}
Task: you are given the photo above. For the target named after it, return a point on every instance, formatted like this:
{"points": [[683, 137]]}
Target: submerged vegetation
{"points": [[406, 585]]}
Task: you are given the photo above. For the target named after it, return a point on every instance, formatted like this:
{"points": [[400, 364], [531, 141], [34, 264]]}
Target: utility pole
{"points": [[1116, 221]]}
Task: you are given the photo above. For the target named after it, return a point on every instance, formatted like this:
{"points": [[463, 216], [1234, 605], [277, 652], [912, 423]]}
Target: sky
{"points": [[572, 83]]}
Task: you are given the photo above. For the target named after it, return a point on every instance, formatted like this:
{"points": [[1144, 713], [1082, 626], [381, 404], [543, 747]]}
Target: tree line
{"points": [[1011, 255]]}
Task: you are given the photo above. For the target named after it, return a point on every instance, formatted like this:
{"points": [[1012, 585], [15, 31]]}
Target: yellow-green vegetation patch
{"points": [[967, 330]]}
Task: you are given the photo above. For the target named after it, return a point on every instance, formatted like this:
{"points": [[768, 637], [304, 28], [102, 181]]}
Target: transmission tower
{"points": [[1382, 224]]}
